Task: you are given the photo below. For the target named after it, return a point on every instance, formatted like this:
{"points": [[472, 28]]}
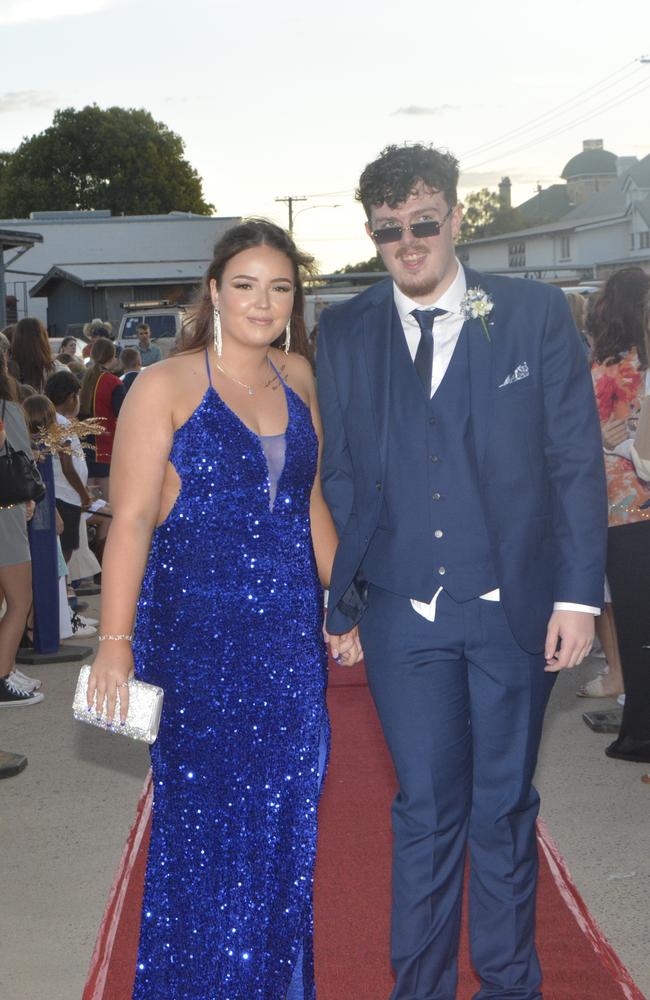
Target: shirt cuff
{"points": [[622, 450], [566, 606]]}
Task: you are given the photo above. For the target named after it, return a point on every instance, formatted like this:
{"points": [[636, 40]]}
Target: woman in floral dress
{"points": [[619, 371]]}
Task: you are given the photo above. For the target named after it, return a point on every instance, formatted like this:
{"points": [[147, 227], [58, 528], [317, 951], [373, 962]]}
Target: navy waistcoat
{"points": [[432, 529]]}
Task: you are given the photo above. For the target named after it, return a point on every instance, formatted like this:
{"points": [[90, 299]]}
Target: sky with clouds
{"points": [[288, 98]]}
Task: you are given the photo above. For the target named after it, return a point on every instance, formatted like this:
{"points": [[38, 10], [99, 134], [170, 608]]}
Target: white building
{"points": [[105, 260], [606, 229]]}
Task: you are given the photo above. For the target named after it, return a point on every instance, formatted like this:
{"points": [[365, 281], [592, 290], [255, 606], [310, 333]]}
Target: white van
{"points": [[163, 319]]}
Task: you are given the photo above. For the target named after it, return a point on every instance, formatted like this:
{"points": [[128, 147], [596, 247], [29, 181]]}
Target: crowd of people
{"points": [[227, 441], [616, 325], [48, 548]]}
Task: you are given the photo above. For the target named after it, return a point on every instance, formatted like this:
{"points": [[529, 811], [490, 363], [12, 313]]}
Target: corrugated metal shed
{"points": [[142, 273]]}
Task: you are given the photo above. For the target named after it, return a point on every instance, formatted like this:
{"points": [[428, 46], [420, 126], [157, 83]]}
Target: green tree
{"points": [[374, 264], [484, 216], [118, 158]]}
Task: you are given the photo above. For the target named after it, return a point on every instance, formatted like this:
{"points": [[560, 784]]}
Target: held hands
{"points": [[568, 639], [345, 649], [111, 670]]}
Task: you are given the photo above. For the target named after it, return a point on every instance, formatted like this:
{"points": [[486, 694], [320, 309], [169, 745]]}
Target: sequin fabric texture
{"points": [[229, 625]]}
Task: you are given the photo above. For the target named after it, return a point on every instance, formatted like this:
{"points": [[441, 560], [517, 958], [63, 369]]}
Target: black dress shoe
{"points": [[626, 748]]}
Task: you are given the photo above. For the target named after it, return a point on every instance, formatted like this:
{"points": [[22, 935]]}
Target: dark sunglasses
{"points": [[392, 234]]}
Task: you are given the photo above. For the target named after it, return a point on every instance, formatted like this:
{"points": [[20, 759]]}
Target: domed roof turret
{"points": [[593, 161]]}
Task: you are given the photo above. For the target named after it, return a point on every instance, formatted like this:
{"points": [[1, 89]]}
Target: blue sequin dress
{"points": [[229, 624]]}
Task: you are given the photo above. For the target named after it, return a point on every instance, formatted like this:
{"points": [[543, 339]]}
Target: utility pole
{"points": [[290, 200]]}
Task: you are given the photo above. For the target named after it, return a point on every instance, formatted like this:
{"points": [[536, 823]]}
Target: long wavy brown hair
{"points": [[616, 321], [31, 352], [39, 413], [8, 387], [198, 330], [101, 353]]}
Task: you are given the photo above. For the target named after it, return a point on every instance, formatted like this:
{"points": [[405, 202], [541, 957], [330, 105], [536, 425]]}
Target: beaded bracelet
{"points": [[103, 638]]}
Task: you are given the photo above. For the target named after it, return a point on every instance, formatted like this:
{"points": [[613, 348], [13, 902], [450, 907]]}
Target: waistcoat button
{"points": [[442, 571], [436, 496], [438, 533]]}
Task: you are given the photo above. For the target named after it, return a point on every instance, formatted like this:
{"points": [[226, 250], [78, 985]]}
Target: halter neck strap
{"points": [[277, 372]]}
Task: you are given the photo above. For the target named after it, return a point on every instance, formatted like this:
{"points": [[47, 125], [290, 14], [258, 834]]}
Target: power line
{"points": [[331, 194], [612, 103], [290, 199], [563, 108]]}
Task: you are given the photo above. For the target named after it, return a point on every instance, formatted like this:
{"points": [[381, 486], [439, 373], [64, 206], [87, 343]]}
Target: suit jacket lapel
{"points": [[377, 323], [481, 354]]}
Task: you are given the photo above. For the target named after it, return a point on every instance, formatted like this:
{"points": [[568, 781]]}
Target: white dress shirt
{"points": [[446, 331]]}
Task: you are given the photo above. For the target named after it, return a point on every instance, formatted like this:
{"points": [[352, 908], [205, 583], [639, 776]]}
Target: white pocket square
{"points": [[521, 371]]}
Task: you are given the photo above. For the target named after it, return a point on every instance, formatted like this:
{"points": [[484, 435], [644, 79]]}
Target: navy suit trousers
{"points": [[462, 707]]}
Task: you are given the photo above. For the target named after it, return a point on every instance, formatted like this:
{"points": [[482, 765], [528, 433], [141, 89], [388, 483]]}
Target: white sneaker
{"points": [[24, 682], [12, 696], [79, 630], [88, 621]]}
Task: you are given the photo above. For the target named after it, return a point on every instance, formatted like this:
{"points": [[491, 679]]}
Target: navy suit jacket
{"points": [[537, 441]]}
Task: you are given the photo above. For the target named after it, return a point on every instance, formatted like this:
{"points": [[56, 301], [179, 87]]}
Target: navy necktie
{"points": [[424, 354]]}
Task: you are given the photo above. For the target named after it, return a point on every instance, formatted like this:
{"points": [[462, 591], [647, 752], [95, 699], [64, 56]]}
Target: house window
{"points": [[644, 241], [565, 247], [517, 254], [632, 241]]}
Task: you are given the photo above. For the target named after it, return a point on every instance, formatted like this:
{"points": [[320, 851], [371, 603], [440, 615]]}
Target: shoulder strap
{"points": [[207, 365]]}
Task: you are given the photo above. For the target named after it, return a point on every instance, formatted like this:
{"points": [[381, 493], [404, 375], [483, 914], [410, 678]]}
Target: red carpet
{"points": [[353, 886]]}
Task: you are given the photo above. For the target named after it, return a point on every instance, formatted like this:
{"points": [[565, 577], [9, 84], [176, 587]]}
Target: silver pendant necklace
{"points": [[245, 385]]}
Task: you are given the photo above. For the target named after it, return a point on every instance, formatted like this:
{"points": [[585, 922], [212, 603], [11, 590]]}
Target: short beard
{"points": [[418, 287]]}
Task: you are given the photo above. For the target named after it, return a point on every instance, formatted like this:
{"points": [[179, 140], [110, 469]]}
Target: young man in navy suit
{"points": [[462, 463]]}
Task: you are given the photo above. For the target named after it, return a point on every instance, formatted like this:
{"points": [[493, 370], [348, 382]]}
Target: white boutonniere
{"points": [[477, 304]]}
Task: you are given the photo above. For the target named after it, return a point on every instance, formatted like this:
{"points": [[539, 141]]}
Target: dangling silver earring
{"points": [[218, 345], [287, 338]]}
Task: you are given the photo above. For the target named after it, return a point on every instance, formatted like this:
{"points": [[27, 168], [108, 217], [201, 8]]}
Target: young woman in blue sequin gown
{"points": [[229, 624]]}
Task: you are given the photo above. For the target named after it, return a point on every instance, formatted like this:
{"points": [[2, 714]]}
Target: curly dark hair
{"points": [[393, 175], [617, 320], [197, 333]]}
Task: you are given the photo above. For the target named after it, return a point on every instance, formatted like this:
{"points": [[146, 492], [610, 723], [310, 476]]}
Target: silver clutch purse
{"points": [[143, 717]]}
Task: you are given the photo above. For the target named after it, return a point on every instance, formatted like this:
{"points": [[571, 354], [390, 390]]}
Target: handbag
{"points": [[20, 479], [143, 716]]}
